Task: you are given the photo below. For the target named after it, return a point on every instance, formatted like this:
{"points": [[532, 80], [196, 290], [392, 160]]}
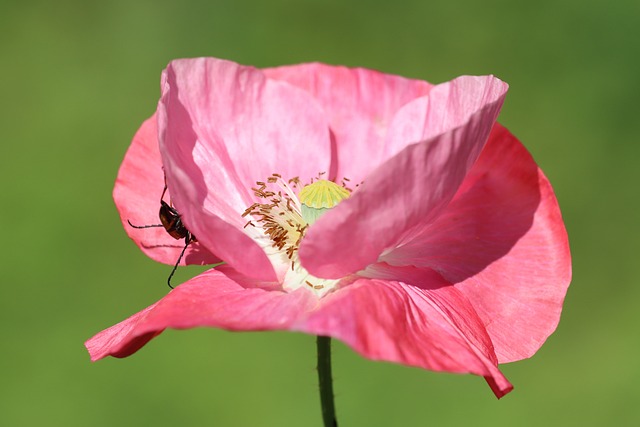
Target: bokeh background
{"points": [[78, 78]]}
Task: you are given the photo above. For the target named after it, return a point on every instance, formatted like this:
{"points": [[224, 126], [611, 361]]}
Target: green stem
{"points": [[326, 382]]}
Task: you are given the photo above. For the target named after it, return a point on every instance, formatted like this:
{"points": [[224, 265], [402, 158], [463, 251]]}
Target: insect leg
{"points": [[187, 241]]}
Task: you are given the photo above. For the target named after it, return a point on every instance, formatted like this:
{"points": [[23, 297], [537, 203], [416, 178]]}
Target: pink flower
{"points": [[449, 253]]}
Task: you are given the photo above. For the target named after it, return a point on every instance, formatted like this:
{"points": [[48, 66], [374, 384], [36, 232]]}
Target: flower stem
{"points": [[326, 382]]}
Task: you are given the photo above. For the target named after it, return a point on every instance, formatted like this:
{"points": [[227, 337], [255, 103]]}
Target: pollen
{"points": [[278, 215]]}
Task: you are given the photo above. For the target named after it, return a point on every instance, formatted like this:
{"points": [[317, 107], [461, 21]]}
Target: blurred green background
{"points": [[78, 78]]}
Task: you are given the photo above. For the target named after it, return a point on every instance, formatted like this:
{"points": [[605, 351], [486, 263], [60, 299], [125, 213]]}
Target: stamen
{"points": [[249, 209]]}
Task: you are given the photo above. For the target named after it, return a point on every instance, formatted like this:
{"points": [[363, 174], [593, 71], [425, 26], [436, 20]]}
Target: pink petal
{"points": [[450, 126], [222, 128], [137, 196], [435, 329], [503, 243], [359, 104], [211, 299]]}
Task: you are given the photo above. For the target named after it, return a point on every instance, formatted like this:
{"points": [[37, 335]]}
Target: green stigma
{"points": [[319, 197]]}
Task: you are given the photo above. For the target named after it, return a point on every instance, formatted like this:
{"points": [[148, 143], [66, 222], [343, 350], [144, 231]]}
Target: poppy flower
{"points": [[394, 215]]}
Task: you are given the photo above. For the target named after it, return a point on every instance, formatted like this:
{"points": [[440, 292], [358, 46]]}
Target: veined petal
{"points": [[449, 127], [137, 196], [435, 328], [503, 243], [210, 299], [359, 105], [215, 119]]}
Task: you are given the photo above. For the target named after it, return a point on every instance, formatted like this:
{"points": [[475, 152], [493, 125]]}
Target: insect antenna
{"points": [[145, 226]]}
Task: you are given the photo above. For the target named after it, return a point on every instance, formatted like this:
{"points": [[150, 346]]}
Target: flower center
{"points": [[284, 218], [317, 198]]}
